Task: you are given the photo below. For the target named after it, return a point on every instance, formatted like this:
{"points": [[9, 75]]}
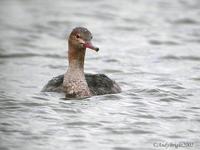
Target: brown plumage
{"points": [[74, 83]]}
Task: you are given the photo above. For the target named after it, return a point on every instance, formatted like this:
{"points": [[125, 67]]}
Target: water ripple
{"points": [[173, 57], [185, 21], [27, 55], [158, 42]]}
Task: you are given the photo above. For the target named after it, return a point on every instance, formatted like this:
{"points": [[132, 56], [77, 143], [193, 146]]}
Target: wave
{"points": [[172, 57], [26, 55]]}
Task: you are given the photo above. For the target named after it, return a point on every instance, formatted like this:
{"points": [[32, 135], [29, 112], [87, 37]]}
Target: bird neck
{"points": [[76, 59]]}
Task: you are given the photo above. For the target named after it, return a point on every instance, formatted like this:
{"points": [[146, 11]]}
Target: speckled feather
{"points": [[99, 84]]}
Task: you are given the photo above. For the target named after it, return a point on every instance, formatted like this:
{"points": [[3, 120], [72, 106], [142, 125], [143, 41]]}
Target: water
{"points": [[151, 48]]}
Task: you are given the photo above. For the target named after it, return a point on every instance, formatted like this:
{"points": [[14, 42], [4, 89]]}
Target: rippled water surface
{"points": [[151, 48]]}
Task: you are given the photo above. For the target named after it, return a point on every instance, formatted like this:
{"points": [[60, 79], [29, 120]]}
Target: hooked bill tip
{"points": [[97, 49]]}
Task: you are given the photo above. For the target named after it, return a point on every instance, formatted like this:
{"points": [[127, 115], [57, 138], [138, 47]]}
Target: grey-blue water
{"points": [[151, 48]]}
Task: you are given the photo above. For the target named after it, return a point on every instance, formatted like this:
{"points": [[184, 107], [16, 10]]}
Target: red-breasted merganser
{"points": [[74, 83]]}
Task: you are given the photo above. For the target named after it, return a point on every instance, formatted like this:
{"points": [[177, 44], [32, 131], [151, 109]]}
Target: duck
{"points": [[74, 83]]}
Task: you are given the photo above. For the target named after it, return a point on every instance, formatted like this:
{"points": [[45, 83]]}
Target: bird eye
{"points": [[77, 36]]}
